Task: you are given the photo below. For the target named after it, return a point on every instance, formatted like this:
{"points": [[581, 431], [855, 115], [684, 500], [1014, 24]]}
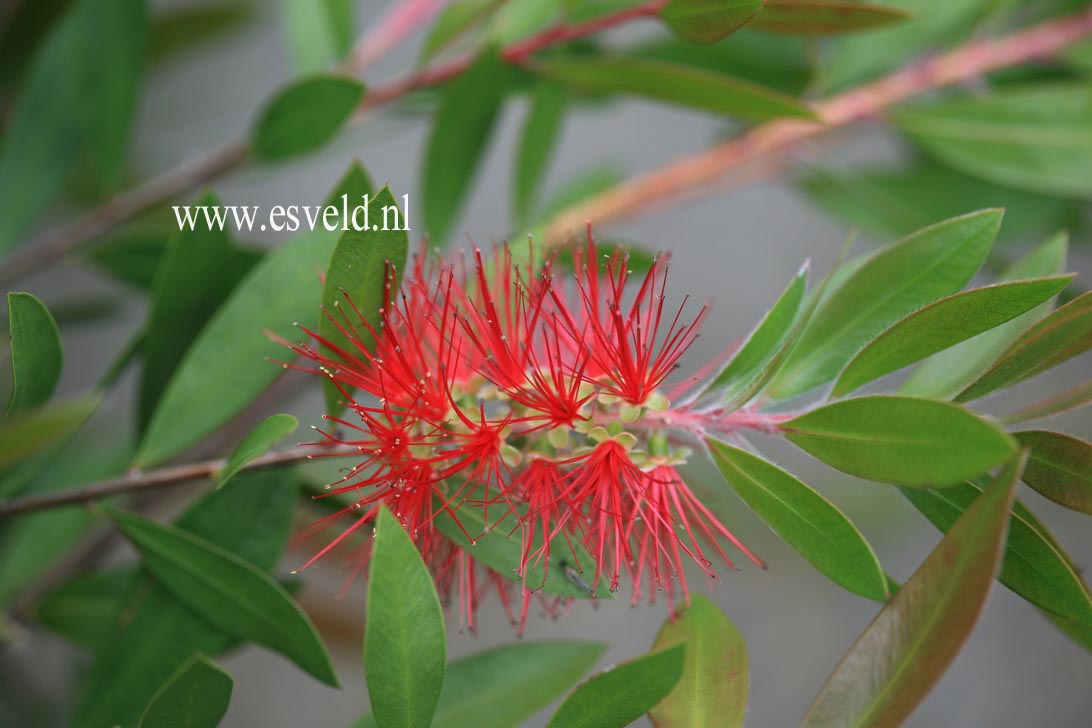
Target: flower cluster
{"points": [[536, 397]]}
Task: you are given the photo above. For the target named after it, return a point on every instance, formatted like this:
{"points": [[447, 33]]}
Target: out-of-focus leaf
{"points": [[196, 696], [901, 440], [503, 687], [943, 324], [198, 271], [228, 591], [891, 203], [25, 433], [622, 694], [502, 552], [1055, 339], [537, 143], [176, 30], [318, 32], [707, 21], [1059, 468], [305, 115], [516, 20], [807, 521], [156, 633], [892, 283], [36, 354], [452, 22], [359, 283], [84, 609], [948, 372], [464, 123], [405, 644], [712, 691], [676, 84], [207, 389], [745, 371], [1071, 399], [24, 28], [825, 17], [265, 435], [133, 256], [1034, 566], [1036, 138], [910, 643]]}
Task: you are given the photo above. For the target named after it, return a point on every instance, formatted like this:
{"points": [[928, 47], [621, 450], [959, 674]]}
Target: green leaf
{"points": [[712, 691], [1068, 400], [84, 609], [404, 638], [676, 84], [25, 433], [494, 546], [749, 369], [357, 285], [807, 521], [1059, 468], [825, 17], [1056, 339], [207, 390], [305, 115], [228, 591], [198, 271], [36, 355], [905, 650], [196, 696], [516, 20], [623, 693], [156, 633], [538, 141], [707, 21], [464, 123], [948, 372], [901, 440], [176, 30], [265, 435], [1034, 566], [1037, 138], [505, 686], [944, 324], [318, 32], [453, 21], [133, 256], [892, 283]]}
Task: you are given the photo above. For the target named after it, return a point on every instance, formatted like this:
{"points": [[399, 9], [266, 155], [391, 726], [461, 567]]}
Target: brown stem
{"points": [[696, 174], [55, 244]]}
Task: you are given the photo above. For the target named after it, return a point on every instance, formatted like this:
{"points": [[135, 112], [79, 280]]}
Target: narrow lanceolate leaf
{"points": [[763, 344], [904, 651], [505, 686], [894, 282], [305, 116], [825, 17], [943, 324], [807, 521], [901, 440], [947, 373], [265, 435], [228, 591], [1037, 138], [1059, 468], [707, 21], [85, 609], [196, 696], [1056, 339], [537, 143], [712, 691], [623, 693], [499, 547], [1067, 401], [676, 84], [1035, 566], [364, 271], [458, 140], [36, 355], [404, 639], [454, 21], [29, 432]]}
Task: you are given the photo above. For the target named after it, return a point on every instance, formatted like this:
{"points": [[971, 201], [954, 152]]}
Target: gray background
{"points": [[740, 247]]}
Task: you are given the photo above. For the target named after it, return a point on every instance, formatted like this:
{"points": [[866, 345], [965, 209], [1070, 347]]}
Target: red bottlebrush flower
{"points": [[536, 398]]}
